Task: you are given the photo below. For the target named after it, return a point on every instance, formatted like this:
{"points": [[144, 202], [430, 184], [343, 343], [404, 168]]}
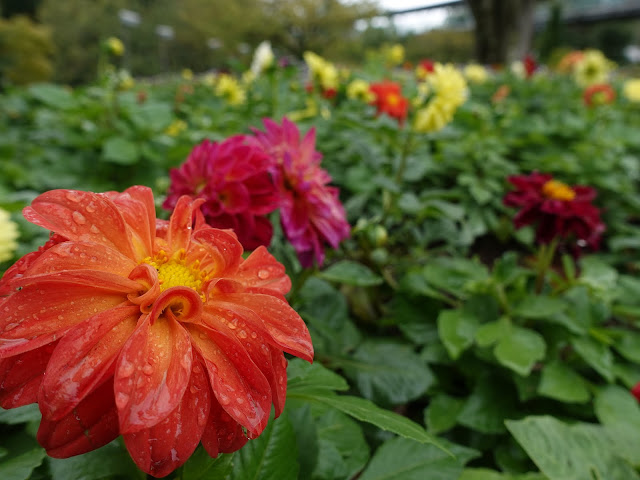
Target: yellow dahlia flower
{"points": [[115, 46], [358, 89], [449, 92], [592, 68], [187, 74], [395, 54], [631, 89], [476, 73], [8, 236], [322, 71], [175, 128], [229, 88]]}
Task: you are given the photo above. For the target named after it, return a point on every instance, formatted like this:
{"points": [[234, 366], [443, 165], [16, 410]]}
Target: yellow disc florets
{"points": [[173, 271], [558, 191]]}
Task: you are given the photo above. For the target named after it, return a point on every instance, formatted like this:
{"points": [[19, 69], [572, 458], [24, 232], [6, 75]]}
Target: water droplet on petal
{"points": [[147, 369], [254, 335], [11, 326], [72, 197], [122, 399], [263, 274], [94, 229], [91, 208], [202, 419], [78, 218], [126, 369], [242, 334], [224, 400], [240, 400]]}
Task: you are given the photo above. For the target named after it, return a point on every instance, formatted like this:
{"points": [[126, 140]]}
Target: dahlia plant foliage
{"points": [[299, 271]]}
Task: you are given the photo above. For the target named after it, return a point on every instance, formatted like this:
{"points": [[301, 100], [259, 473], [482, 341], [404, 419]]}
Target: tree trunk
{"points": [[503, 30]]}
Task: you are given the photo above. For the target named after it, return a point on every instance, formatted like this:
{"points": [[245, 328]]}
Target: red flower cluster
{"points": [[158, 331], [559, 211], [530, 65], [389, 100], [246, 177], [424, 68], [599, 94], [233, 179]]}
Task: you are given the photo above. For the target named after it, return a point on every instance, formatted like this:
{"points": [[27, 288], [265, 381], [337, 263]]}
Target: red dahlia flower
{"points": [[157, 331], [311, 213], [635, 391], [389, 100], [557, 209], [599, 94], [233, 179], [530, 65]]}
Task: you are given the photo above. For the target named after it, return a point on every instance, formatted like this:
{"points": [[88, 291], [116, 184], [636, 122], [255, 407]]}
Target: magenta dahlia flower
{"points": [[311, 213], [234, 180], [556, 209]]}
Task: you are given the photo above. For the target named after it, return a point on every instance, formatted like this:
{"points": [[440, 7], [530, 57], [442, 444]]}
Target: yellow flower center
{"points": [[393, 99], [174, 272], [558, 191]]}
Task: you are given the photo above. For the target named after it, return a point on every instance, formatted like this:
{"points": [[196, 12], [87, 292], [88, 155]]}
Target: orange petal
{"points": [[222, 433], [81, 216], [72, 278], [152, 373], [21, 376], [41, 312], [222, 252], [92, 424], [238, 384], [160, 449], [280, 323], [82, 256], [83, 358], [261, 269], [181, 223], [137, 207]]}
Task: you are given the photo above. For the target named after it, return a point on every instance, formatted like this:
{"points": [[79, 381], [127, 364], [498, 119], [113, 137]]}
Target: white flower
{"points": [[262, 58]]}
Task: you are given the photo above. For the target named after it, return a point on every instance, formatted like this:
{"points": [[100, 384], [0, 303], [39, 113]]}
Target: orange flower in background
{"points": [[501, 93], [424, 68], [389, 100], [599, 94], [569, 61], [155, 330]]}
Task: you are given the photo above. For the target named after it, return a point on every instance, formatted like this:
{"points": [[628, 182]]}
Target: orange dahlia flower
{"points": [[599, 94], [158, 331], [389, 100]]}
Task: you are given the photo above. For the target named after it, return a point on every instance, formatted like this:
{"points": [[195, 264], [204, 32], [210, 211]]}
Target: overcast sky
{"points": [[415, 21]]}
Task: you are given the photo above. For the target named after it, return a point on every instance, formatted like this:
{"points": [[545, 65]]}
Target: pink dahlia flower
{"points": [[234, 180], [311, 212]]}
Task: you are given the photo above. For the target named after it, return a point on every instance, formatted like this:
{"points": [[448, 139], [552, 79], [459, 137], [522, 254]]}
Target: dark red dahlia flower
{"points": [[635, 391], [157, 331], [599, 94], [530, 65], [233, 179], [389, 100], [311, 213], [557, 210]]}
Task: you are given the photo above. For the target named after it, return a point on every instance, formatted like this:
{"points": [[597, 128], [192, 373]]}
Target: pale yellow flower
{"points": [[476, 73], [8, 236], [631, 89], [115, 46], [358, 89], [229, 88], [263, 58], [187, 74], [176, 128], [310, 111], [125, 80], [322, 71], [209, 80], [449, 92], [592, 68], [395, 54]]}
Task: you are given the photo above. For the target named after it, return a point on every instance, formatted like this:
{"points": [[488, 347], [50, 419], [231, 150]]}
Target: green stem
{"points": [[544, 261], [406, 148]]}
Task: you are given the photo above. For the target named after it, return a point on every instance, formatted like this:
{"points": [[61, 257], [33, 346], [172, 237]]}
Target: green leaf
{"points": [[106, 462], [629, 346], [201, 466], [365, 411], [442, 413], [53, 96], [351, 273], [619, 412], [596, 354], [538, 306], [577, 452], [21, 467], [561, 382], [400, 458], [323, 302], [520, 349], [490, 403], [306, 431], [342, 448], [486, 474], [151, 116], [304, 377], [454, 275], [271, 456], [387, 373], [120, 150], [492, 332], [27, 413], [457, 329]]}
